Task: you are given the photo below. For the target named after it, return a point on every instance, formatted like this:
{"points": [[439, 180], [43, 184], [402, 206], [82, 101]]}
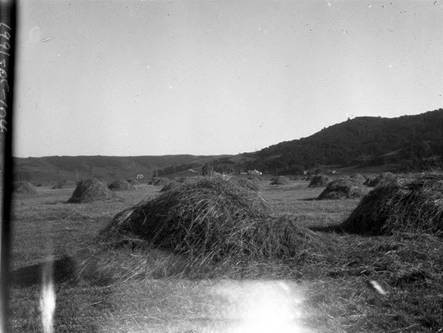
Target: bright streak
{"points": [[260, 307], [47, 299]]}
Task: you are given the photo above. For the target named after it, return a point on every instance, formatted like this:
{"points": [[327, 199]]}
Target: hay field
{"points": [[331, 293]]}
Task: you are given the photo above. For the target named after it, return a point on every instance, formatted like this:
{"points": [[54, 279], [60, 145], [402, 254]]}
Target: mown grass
{"points": [[113, 297]]}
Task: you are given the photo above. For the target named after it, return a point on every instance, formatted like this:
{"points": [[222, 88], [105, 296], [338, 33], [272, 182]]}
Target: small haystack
{"points": [[121, 185], [211, 221], [319, 181], [382, 179], [59, 184], [24, 188], [90, 190], [280, 180], [416, 206], [358, 178], [159, 181], [343, 189], [169, 186]]}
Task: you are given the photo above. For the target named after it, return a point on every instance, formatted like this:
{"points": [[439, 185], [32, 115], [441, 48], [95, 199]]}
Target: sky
{"points": [[216, 77]]}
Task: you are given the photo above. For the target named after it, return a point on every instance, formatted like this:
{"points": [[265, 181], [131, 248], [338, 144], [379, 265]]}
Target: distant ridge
{"points": [[404, 143], [409, 140], [57, 168]]}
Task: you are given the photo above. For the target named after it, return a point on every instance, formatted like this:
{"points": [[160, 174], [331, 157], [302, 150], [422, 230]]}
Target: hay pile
{"points": [[250, 184], [90, 190], [280, 180], [169, 186], [358, 178], [59, 184], [245, 183], [319, 181], [24, 188], [343, 189], [121, 185], [416, 206], [212, 221], [159, 181], [382, 179]]}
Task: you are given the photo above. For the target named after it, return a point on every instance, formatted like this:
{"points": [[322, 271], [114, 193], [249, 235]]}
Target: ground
{"points": [[332, 293]]}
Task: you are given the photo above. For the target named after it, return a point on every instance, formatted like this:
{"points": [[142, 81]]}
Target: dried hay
{"points": [[358, 178], [90, 190], [212, 221], [250, 184], [169, 186], [121, 185], [160, 181], [280, 180], [382, 179], [343, 189], [59, 184], [415, 206], [319, 181], [24, 188]]}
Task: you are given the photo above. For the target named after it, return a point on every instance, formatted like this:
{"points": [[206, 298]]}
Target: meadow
{"points": [[331, 292]]}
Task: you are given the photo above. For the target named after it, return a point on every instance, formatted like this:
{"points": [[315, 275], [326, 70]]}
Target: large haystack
{"points": [[90, 190], [382, 179], [416, 206], [251, 184], [343, 189], [245, 183], [173, 184], [210, 221], [280, 180], [319, 181], [24, 188], [121, 185]]}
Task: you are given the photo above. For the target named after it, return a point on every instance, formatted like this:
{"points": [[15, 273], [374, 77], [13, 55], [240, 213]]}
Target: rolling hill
{"points": [[412, 141], [402, 143], [56, 168]]}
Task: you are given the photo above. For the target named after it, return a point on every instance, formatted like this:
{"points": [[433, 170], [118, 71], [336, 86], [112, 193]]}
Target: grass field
{"points": [[329, 294]]}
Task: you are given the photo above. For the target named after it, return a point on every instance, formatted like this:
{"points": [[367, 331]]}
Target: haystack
{"points": [[25, 188], [319, 181], [59, 184], [121, 185], [416, 206], [382, 179], [176, 182], [169, 186], [90, 190], [210, 221], [343, 189], [358, 178], [280, 180], [159, 181], [251, 184]]}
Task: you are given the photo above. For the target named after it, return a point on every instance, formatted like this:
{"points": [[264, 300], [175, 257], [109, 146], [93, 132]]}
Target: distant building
{"points": [[254, 173]]}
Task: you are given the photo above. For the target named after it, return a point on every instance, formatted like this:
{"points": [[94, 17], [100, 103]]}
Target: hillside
{"points": [[54, 168], [403, 143], [412, 141]]}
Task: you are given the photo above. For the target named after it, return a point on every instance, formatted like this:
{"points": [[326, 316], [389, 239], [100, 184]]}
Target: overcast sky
{"points": [[212, 77]]}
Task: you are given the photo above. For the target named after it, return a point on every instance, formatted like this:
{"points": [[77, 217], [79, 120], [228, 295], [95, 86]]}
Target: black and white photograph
{"points": [[221, 166]]}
